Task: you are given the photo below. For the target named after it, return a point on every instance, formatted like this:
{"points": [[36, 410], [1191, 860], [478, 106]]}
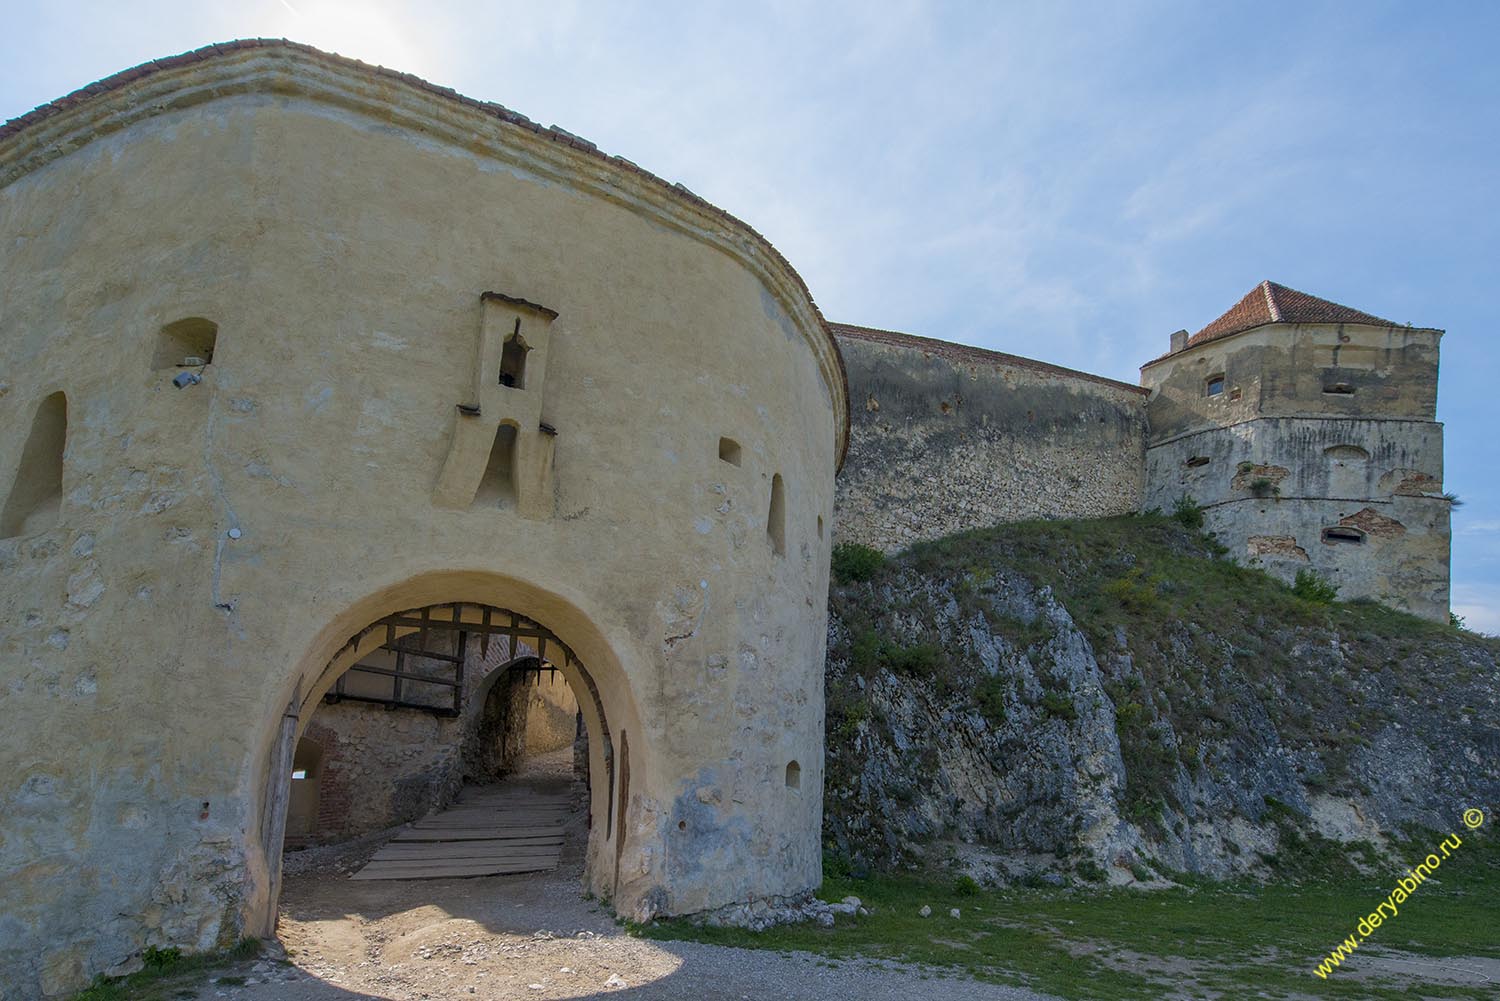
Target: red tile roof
{"points": [[966, 353], [1269, 302]]}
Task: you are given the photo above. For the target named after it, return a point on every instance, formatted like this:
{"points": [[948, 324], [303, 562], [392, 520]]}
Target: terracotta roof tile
{"points": [[1269, 302]]}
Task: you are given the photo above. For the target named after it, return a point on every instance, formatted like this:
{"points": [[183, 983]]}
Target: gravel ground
{"points": [[531, 937]]}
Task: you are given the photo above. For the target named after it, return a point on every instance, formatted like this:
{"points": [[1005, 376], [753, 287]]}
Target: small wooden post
{"points": [[273, 817]]}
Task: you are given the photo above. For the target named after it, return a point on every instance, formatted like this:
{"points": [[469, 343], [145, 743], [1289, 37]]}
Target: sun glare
{"points": [[365, 31]]}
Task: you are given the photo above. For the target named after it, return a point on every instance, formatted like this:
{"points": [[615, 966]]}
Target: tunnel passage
{"points": [[426, 702]]}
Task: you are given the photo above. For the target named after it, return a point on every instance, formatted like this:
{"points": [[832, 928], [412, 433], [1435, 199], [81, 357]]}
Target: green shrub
{"points": [[965, 886], [870, 651], [989, 695], [854, 562], [1312, 588], [1060, 705], [921, 660], [1091, 871], [1132, 593], [1187, 513]]}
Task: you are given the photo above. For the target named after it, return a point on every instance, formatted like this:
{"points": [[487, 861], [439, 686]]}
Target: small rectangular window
{"points": [[1214, 386], [729, 451], [1343, 536]]}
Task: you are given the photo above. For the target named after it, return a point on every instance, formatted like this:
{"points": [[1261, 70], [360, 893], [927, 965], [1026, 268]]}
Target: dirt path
{"points": [[531, 936]]}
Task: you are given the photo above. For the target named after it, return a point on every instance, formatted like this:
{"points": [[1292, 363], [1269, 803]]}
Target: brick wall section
{"points": [[947, 437]]}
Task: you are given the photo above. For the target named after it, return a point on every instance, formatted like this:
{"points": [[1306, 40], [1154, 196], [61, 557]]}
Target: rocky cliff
{"points": [[1114, 699]]}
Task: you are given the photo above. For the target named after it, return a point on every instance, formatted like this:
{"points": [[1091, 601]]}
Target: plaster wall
{"points": [[216, 546], [946, 438], [1283, 369]]}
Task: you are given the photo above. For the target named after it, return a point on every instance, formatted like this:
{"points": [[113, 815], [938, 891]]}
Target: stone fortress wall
{"points": [[946, 437], [1304, 429]]}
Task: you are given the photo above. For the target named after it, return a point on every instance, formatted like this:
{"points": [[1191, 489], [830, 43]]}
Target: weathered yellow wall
{"points": [[339, 228]]}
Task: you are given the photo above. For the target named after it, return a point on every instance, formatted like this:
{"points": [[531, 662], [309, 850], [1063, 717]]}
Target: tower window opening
{"points": [[188, 342], [1338, 389], [793, 775], [1343, 536], [1214, 386], [513, 359]]}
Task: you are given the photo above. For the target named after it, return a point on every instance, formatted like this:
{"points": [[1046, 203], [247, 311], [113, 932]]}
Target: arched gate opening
{"points": [[462, 694]]}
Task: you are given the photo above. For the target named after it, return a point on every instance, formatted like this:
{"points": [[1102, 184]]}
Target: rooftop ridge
{"points": [[1271, 301], [969, 353]]}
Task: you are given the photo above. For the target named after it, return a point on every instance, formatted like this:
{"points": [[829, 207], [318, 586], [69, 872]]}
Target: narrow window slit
{"points": [[513, 359], [776, 517], [35, 496]]}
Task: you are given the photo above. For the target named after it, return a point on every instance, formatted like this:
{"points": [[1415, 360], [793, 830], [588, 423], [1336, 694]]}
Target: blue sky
{"points": [[1069, 182]]}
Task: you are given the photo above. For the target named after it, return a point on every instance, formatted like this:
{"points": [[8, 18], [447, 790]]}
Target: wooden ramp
{"points": [[490, 831]]}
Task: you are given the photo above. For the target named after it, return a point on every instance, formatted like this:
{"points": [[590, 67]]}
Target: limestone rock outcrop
{"points": [[1032, 705]]}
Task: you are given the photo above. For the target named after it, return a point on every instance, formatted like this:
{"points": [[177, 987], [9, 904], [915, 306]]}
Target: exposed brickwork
{"points": [[1374, 524], [1275, 547], [1248, 475]]}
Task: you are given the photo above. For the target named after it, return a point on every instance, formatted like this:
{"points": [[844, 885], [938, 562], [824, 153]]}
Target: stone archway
{"points": [[598, 705], [522, 708]]}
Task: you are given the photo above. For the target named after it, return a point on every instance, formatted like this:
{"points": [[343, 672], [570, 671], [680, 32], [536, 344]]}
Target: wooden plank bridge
{"points": [[490, 831]]}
